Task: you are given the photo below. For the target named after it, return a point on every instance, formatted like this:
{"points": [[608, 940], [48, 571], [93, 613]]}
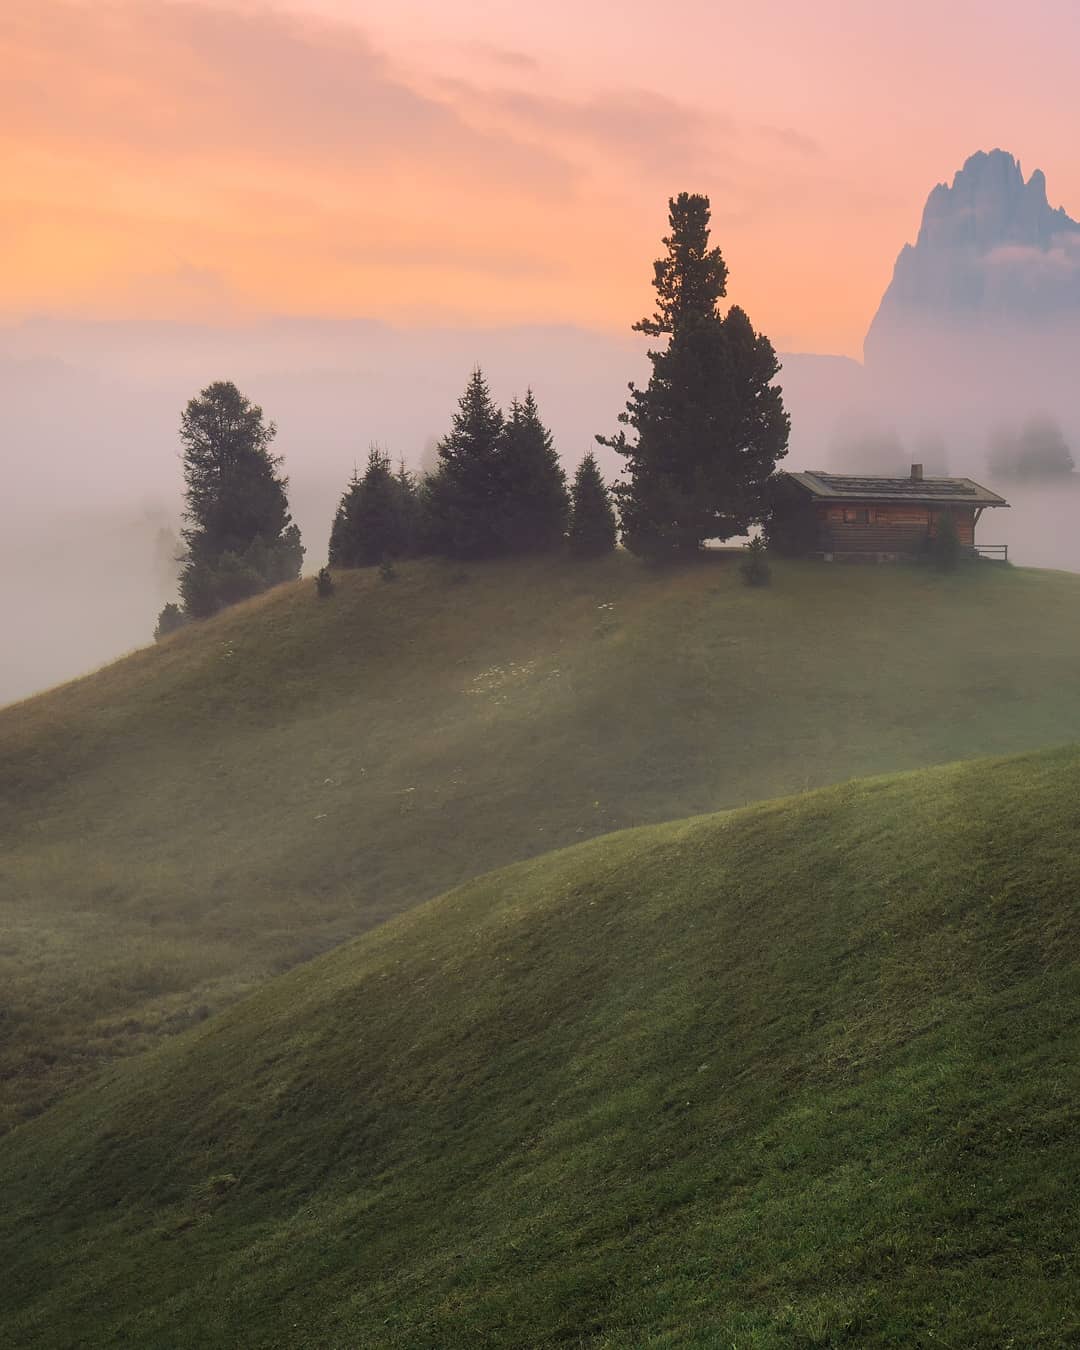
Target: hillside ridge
{"points": [[800, 1073], [203, 815]]}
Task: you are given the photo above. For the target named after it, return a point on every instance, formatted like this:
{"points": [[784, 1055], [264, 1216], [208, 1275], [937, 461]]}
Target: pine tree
{"points": [[340, 551], [411, 511], [377, 516], [592, 516], [170, 620], [463, 495], [532, 485], [710, 424], [239, 535]]}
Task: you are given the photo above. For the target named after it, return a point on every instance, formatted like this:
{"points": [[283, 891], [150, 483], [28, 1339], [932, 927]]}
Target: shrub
{"points": [[324, 583], [210, 585], [945, 548], [754, 568], [169, 620], [387, 570]]}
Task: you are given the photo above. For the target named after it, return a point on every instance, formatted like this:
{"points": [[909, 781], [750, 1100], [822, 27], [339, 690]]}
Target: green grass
{"points": [[802, 1074], [201, 816]]}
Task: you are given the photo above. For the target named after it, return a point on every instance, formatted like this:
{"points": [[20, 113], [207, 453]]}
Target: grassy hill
{"points": [[201, 816], [802, 1074]]}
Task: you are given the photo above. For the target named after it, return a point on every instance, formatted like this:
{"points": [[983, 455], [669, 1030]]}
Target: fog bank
{"points": [[88, 438]]}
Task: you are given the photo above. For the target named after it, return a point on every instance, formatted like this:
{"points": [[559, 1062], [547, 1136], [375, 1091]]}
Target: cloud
{"points": [[217, 160], [202, 85], [789, 139], [506, 58], [1061, 259], [649, 132]]}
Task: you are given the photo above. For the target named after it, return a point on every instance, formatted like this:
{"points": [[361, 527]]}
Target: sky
{"points": [[488, 163], [344, 207]]}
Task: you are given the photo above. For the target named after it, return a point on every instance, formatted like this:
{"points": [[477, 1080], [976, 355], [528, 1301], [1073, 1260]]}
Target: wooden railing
{"points": [[998, 551]]}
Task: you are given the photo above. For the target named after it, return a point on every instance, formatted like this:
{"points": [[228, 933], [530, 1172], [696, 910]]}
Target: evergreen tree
{"points": [[532, 485], [411, 511], [239, 535], [592, 516], [340, 550], [463, 495], [710, 424], [377, 517], [169, 621]]}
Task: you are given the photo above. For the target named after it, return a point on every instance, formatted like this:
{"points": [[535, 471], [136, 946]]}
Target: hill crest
{"points": [[803, 1073]]}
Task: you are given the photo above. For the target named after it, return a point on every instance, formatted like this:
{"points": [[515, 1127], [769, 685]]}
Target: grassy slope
{"points": [[192, 820], [806, 1073]]}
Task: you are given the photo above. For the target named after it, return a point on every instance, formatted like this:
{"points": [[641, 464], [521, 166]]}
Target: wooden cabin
{"points": [[859, 518]]}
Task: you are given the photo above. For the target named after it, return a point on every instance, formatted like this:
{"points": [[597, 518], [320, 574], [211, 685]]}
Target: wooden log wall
{"points": [[889, 528]]}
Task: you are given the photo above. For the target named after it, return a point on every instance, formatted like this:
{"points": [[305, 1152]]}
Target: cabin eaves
{"points": [[831, 487]]}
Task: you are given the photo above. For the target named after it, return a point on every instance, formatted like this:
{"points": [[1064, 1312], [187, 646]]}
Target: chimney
{"points": [[916, 473]]}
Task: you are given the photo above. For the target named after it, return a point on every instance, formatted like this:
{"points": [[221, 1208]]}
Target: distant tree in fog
{"points": [[429, 457], [710, 424], [592, 516], [532, 499], [239, 536], [862, 447], [1038, 450], [378, 516]]}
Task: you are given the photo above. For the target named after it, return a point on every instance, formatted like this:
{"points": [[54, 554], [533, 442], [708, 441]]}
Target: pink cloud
{"points": [[190, 82]]}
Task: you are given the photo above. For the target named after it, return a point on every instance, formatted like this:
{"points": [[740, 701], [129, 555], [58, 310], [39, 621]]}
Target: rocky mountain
{"points": [[992, 254]]}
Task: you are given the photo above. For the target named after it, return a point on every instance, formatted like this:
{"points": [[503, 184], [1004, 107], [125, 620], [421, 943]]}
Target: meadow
{"points": [[801, 1074], [186, 824]]}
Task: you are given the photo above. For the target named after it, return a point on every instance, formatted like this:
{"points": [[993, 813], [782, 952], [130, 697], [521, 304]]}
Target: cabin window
{"points": [[856, 515]]}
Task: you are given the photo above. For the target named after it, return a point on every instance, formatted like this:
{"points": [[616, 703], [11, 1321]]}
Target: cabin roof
{"points": [[833, 487]]}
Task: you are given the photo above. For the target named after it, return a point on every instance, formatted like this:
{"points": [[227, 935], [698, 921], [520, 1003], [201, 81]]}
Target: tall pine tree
{"points": [[533, 503], [710, 424], [592, 516], [377, 516], [239, 535], [464, 494]]}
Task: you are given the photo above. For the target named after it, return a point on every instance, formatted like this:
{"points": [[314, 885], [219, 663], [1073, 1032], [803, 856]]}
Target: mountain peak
{"points": [[990, 247]]}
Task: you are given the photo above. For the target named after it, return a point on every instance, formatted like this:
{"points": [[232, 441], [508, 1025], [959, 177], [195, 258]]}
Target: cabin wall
{"points": [[889, 527]]}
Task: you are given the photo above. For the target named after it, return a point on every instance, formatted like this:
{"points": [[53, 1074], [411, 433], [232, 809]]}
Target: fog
{"points": [[88, 437]]}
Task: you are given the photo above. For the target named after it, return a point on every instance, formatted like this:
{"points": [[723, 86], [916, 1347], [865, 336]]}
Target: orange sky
{"points": [[492, 162]]}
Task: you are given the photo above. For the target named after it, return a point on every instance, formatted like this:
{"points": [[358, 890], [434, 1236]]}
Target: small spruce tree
{"points": [[754, 568], [592, 516], [377, 516], [324, 583], [463, 495], [533, 500]]}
